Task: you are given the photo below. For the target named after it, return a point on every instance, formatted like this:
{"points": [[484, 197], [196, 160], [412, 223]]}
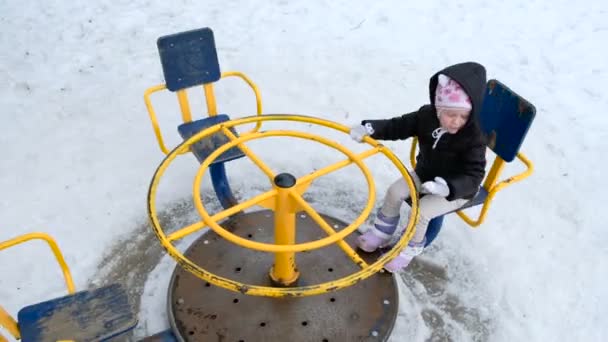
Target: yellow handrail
{"points": [[185, 107], [54, 247], [8, 323], [256, 91], [267, 199], [6, 320], [489, 183], [152, 114], [284, 248], [413, 152], [496, 188]]}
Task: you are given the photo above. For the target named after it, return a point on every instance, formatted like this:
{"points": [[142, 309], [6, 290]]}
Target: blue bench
{"points": [[96, 315]]}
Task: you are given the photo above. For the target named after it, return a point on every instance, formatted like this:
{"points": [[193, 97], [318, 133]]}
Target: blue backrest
{"points": [[189, 58], [505, 117]]}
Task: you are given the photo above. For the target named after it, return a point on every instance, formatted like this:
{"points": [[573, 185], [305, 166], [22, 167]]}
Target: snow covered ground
{"points": [[79, 151]]}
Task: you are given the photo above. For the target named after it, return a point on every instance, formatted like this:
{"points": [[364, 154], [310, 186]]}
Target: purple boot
{"points": [[372, 240], [404, 258], [378, 235]]}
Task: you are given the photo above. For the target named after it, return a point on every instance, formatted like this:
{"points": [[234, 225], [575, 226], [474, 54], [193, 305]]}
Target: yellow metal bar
{"points": [[152, 115], [54, 247], [284, 271], [184, 105], [269, 203], [257, 161], [256, 91], [182, 97], [413, 152], [495, 171], [258, 97], [8, 322], [210, 98], [337, 166], [327, 228], [494, 189], [222, 215]]}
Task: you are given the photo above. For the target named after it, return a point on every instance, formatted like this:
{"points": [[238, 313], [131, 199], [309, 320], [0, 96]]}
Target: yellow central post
{"points": [[284, 271]]}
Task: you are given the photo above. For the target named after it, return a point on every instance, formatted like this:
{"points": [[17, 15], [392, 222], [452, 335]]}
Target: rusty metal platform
{"points": [[199, 311]]}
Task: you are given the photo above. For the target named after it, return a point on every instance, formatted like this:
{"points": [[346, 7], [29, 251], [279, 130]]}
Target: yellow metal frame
{"points": [[8, 322], [294, 202], [184, 104], [494, 187], [491, 183]]}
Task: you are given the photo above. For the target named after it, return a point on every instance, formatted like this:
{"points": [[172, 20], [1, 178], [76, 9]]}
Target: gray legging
{"points": [[431, 206]]}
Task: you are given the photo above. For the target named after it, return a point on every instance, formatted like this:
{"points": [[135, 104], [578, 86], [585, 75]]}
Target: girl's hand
{"points": [[437, 187], [357, 132]]}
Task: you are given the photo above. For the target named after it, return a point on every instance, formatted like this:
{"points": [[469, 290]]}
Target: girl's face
{"points": [[453, 119]]}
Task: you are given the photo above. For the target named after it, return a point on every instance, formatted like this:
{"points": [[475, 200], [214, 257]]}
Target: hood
{"points": [[472, 78]]}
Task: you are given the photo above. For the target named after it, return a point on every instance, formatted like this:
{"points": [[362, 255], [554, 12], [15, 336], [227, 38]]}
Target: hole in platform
{"points": [[190, 332], [250, 235], [330, 269], [207, 284], [235, 300], [237, 269], [305, 323], [241, 340], [213, 316], [332, 299], [263, 324], [325, 340]]}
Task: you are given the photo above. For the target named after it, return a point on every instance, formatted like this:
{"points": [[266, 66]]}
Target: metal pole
{"points": [[284, 271]]}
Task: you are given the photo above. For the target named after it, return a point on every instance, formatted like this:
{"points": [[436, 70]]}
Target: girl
{"points": [[450, 165]]}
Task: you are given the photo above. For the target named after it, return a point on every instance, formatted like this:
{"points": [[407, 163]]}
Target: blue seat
{"points": [[435, 224], [203, 148], [477, 200], [95, 315]]}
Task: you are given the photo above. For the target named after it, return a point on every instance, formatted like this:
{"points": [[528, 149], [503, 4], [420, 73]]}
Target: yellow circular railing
{"points": [[266, 199]]}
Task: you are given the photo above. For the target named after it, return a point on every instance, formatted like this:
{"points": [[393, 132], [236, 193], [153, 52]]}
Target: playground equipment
{"points": [[297, 276], [94, 315], [270, 285]]}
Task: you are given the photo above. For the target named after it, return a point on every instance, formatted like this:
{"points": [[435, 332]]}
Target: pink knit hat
{"points": [[450, 94]]}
